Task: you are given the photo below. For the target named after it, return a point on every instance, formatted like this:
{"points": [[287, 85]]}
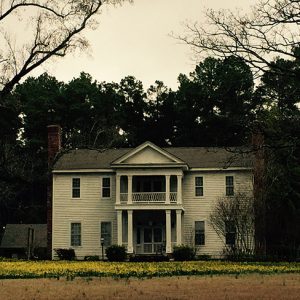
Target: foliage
{"points": [[236, 212], [183, 253], [116, 253], [56, 269], [92, 258], [65, 254]]}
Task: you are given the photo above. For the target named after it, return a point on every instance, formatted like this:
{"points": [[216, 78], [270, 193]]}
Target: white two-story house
{"points": [[146, 198]]}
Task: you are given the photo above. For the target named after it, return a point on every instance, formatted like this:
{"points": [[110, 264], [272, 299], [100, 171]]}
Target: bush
{"points": [[92, 258], [40, 253], [204, 257], [115, 253], [65, 254], [182, 253]]}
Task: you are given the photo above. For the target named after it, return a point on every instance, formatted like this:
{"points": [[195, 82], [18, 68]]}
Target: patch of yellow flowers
{"points": [[71, 269]]}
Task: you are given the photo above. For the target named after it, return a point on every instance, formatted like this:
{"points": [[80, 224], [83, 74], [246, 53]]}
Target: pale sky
{"points": [[134, 39]]}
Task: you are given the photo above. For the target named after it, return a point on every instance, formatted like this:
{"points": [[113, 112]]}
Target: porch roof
{"points": [[194, 157]]}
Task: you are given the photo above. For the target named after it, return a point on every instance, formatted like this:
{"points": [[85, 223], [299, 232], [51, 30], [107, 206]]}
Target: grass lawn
{"points": [[72, 269]]}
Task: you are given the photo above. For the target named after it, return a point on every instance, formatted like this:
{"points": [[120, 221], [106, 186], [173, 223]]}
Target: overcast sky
{"points": [[134, 39]]}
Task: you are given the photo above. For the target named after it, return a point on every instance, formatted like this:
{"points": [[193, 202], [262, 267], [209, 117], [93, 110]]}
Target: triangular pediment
{"points": [[147, 154]]}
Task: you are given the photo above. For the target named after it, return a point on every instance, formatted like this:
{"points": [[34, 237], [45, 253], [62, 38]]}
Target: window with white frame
{"points": [[199, 233], [229, 186], [199, 186], [106, 187], [75, 187], [75, 234], [106, 233]]}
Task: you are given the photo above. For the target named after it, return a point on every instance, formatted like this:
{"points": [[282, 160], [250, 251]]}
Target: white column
{"points": [[167, 189], [118, 189], [178, 227], [179, 189], [129, 189], [168, 231], [119, 227], [130, 233]]}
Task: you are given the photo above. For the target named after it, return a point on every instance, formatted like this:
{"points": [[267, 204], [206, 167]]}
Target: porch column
{"points": [[119, 227], [129, 189], [168, 231], [179, 189], [178, 227], [130, 234], [118, 189], [167, 189]]}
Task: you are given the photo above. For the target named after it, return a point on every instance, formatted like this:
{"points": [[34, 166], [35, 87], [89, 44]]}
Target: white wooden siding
{"points": [[199, 208], [91, 209]]}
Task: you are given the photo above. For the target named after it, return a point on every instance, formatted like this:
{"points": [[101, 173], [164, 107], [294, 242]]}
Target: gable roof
{"points": [[15, 235], [167, 156], [194, 157]]}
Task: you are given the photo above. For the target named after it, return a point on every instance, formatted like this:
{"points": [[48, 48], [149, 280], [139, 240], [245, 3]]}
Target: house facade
{"points": [[147, 198]]}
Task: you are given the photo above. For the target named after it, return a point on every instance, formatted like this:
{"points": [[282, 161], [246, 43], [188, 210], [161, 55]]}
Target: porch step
{"points": [[145, 258]]}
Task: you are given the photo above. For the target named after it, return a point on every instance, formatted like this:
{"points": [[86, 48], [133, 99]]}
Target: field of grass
{"points": [[72, 269]]}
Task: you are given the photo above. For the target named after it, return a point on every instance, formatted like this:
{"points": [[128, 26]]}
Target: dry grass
{"points": [[286, 286]]}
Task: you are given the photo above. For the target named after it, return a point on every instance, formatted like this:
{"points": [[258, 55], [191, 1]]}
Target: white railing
{"points": [[157, 197], [173, 197]]}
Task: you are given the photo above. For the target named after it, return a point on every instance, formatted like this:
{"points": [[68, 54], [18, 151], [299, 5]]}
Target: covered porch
{"points": [[149, 232]]}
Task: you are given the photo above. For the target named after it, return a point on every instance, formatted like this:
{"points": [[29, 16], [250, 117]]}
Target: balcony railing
{"points": [[154, 197]]}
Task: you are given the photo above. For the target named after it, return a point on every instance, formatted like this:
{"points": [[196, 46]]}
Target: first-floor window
{"points": [[75, 234], [106, 187], [230, 233], [106, 233], [199, 233]]}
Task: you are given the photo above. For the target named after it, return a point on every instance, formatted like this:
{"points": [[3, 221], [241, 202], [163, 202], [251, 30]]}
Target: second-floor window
{"points": [[76, 188], [199, 233], [229, 186], [106, 187], [199, 186]]}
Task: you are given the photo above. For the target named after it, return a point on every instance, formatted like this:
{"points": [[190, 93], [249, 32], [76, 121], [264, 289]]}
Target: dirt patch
{"points": [[205, 287]]}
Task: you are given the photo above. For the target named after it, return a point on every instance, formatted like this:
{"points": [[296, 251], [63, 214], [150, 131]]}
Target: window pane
{"points": [[229, 191], [230, 231], [199, 191], [199, 233], [106, 233], [199, 181], [105, 192], [76, 182], [229, 180], [75, 234], [76, 193], [106, 182]]}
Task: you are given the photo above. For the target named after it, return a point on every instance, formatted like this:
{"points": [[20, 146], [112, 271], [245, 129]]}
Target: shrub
{"points": [[115, 253], [65, 254], [40, 253], [92, 258], [183, 252], [203, 257]]}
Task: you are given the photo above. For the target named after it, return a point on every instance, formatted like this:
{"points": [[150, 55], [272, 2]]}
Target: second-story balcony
{"points": [[150, 197], [138, 190]]}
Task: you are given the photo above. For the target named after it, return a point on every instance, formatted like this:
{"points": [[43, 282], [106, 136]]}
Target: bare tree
{"points": [[233, 220], [270, 30], [33, 31]]}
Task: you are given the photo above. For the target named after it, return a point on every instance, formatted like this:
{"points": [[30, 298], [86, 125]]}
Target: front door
{"points": [[153, 239]]}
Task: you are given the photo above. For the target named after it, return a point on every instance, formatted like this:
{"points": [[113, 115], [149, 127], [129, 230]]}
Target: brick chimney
{"points": [[258, 146], [54, 146]]}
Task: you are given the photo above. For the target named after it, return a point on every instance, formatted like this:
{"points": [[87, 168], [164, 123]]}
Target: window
{"points": [[229, 186], [199, 233], [199, 186], [106, 233], [75, 234], [76, 188], [106, 187], [230, 233]]}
